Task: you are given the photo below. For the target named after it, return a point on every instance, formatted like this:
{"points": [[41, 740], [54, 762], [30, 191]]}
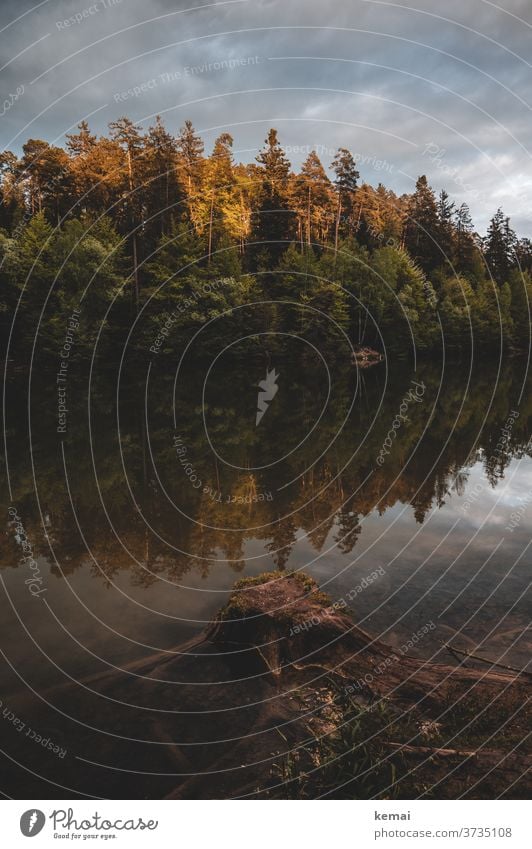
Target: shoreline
{"points": [[269, 710]]}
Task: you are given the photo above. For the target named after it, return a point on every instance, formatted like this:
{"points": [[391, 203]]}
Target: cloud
{"points": [[383, 79]]}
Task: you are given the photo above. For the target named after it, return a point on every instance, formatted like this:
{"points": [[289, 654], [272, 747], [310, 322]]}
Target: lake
{"points": [[405, 492]]}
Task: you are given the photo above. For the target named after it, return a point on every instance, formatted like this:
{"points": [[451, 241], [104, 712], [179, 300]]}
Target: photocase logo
{"points": [[32, 822], [268, 392]]}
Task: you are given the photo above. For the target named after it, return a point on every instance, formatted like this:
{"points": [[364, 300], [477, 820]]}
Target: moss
{"points": [[237, 605], [234, 609], [305, 580], [322, 598], [257, 580]]}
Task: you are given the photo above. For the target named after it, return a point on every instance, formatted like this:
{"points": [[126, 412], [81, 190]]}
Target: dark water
{"points": [[159, 495]]}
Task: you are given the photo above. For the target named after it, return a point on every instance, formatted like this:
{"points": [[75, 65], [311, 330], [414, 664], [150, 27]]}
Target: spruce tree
{"points": [[275, 220], [127, 135], [190, 170], [162, 191], [499, 246], [346, 181], [423, 227], [313, 195], [275, 165], [446, 229], [465, 248], [224, 202]]}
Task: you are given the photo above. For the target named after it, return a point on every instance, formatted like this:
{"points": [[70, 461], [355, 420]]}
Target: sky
{"points": [[421, 87]]}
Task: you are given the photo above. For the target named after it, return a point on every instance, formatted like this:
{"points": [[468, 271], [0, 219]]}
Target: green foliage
{"points": [[353, 761], [142, 221]]}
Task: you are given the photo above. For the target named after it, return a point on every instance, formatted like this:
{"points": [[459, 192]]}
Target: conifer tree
{"points": [[80, 143], [446, 229], [45, 173], [224, 202], [190, 170], [127, 135], [423, 227], [162, 191], [275, 221], [523, 254], [275, 165], [346, 181], [11, 191], [313, 197], [499, 247], [466, 252]]}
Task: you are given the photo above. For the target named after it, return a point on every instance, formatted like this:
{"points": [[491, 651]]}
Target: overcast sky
{"points": [[419, 87]]}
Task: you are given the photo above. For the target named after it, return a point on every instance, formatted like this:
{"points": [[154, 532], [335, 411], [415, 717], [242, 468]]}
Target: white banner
{"points": [[261, 825]]}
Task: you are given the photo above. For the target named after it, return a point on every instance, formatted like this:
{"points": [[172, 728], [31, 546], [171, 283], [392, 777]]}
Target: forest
{"points": [[148, 238]]}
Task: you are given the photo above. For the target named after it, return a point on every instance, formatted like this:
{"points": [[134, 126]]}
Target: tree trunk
{"points": [[210, 229], [308, 218], [337, 227], [136, 272]]}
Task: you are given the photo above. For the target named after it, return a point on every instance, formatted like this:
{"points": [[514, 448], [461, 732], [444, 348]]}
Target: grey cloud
{"points": [[351, 73]]}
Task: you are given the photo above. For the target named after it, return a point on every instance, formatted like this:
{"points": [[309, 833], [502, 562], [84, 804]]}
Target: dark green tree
{"points": [[467, 256], [422, 238], [446, 234], [274, 223], [499, 246], [346, 181], [128, 136], [162, 192]]}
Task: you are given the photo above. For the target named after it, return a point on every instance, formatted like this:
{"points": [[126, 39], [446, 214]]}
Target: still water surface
{"points": [[407, 494]]}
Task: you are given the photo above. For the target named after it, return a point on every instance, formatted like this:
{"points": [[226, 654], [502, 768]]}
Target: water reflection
{"points": [[172, 492]]}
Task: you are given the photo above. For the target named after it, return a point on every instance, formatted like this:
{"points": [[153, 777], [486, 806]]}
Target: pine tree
{"points": [[11, 191], [45, 172], [127, 135], [224, 202], [97, 177], [275, 165], [275, 220], [446, 229], [370, 222], [423, 227], [346, 181], [190, 170], [80, 143], [466, 253], [162, 191], [313, 196], [523, 254], [499, 247]]}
